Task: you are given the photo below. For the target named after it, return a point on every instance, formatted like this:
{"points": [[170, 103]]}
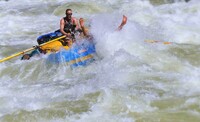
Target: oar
{"points": [[154, 41], [27, 50]]}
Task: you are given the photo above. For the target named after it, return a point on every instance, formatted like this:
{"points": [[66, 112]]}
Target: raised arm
{"points": [[124, 20]]}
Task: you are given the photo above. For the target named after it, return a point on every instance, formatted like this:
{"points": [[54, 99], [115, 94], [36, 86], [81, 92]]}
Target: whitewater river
{"points": [[132, 80]]}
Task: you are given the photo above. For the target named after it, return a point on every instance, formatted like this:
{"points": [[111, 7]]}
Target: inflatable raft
{"points": [[79, 53]]}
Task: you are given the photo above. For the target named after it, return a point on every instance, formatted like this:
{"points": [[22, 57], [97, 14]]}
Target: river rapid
{"points": [[132, 80]]}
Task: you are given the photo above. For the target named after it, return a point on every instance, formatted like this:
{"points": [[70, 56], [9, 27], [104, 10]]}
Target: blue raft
{"points": [[78, 55]]}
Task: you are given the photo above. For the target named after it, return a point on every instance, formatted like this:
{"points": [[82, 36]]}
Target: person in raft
{"points": [[69, 26]]}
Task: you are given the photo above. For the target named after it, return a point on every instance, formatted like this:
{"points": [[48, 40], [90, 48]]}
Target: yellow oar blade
{"points": [[30, 49]]}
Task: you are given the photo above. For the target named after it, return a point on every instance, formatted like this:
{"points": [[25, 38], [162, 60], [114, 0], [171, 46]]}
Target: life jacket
{"points": [[69, 26]]}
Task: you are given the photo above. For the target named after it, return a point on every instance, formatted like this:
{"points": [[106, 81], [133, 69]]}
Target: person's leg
{"points": [[81, 21]]}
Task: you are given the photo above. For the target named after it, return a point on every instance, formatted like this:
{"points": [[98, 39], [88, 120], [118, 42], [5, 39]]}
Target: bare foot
{"points": [[124, 20]]}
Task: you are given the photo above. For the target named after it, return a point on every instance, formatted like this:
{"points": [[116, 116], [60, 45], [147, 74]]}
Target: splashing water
{"points": [[132, 80]]}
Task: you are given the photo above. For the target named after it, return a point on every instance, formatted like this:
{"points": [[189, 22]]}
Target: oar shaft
{"points": [[154, 41], [52, 41], [30, 49], [17, 54]]}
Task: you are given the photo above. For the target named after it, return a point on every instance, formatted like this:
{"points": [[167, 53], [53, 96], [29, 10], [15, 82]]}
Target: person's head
{"points": [[68, 13]]}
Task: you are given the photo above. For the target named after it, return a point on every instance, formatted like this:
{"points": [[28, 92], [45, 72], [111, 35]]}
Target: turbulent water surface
{"points": [[133, 80]]}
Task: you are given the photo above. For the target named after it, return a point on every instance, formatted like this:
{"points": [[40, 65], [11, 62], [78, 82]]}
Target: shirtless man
{"points": [[69, 25]]}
